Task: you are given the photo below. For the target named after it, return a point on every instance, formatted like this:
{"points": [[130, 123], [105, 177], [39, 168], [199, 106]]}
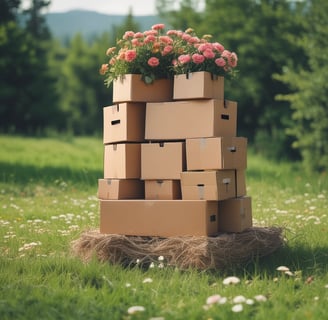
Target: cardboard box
{"points": [[162, 189], [241, 183], [131, 88], [235, 215], [160, 218], [122, 161], [208, 185], [190, 119], [114, 189], [216, 153], [162, 160], [198, 85], [124, 122]]}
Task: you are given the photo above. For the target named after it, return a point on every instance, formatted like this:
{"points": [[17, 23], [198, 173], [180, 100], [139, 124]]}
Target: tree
{"points": [[310, 90]]}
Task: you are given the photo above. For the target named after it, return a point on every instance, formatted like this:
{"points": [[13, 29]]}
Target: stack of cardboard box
{"points": [[174, 167]]}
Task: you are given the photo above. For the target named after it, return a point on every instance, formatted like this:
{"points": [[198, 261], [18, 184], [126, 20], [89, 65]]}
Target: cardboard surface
{"points": [[162, 189], [190, 119], [198, 85], [124, 122], [131, 88], [216, 153], [163, 218], [208, 185], [113, 189], [241, 183], [122, 161], [235, 215], [162, 160]]}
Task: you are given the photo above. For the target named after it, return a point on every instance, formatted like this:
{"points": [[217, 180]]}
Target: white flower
{"points": [[260, 298], [237, 308], [160, 258], [249, 302], [136, 309], [147, 280], [239, 299], [282, 269], [231, 280], [326, 286], [213, 299]]}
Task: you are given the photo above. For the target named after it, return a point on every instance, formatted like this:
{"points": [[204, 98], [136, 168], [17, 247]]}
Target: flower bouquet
{"points": [[154, 54]]}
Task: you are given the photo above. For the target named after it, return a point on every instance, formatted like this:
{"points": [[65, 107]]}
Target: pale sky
{"points": [[139, 7]]}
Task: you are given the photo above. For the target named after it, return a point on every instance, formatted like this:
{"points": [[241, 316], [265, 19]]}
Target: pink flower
{"points": [[167, 50], [150, 38], [153, 62], [150, 33], [204, 46], [186, 36], [166, 39], [138, 35], [158, 26], [220, 62], [193, 40], [103, 68], [130, 55], [110, 51], [233, 60], [184, 58], [198, 58], [218, 47], [226, 54], [128, 34], [209, 54], [136, 42], [172, 32]]}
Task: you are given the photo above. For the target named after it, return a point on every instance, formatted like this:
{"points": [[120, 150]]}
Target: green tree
{"points": [[310, 90], [28, 103]]}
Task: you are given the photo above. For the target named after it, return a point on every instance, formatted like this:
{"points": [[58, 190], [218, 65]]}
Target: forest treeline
{"points": [[49, 87]]}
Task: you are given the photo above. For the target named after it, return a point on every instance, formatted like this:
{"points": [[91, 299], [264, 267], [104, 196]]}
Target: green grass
{"points": [[48, 197]]}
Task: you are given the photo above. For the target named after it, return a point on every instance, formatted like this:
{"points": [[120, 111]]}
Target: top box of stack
{"points": [[131, 88], [185, 119], [198, 85]]}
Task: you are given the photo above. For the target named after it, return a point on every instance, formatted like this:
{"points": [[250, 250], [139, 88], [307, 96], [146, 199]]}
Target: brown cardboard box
{"points": [[122, 161], [208, 185], [162, 160], [190, 119], [240, 183], [112, 189], [161, 218], [124, 122], [198, 85], [131, 87], [235, 215], [216, 153], [162, 189]]}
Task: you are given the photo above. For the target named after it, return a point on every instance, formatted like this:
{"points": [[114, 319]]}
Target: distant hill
{"points": [[89, 23]]}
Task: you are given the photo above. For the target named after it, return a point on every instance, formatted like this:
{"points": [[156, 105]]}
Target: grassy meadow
{"points": [[48, 196]]}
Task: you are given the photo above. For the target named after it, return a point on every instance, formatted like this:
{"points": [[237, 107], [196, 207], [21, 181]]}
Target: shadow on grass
{"points": [[47, 175], [308, 260]]}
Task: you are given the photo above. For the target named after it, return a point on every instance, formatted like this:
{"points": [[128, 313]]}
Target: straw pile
{"points": [[220, 252]]}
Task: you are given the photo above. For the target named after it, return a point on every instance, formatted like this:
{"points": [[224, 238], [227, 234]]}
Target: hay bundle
{"points": [[220, 252]]}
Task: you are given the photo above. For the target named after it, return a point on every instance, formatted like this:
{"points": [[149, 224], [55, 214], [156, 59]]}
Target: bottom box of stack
{"points": [[235, 215], [162, 189], [112, 189], [162, 218]]}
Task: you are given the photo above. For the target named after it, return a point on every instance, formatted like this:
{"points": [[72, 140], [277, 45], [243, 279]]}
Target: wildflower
{"points": [[239, 299], [237, 308], [260, 298], [147, 280], [213, 299], [135, 309], [231, 280]]}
